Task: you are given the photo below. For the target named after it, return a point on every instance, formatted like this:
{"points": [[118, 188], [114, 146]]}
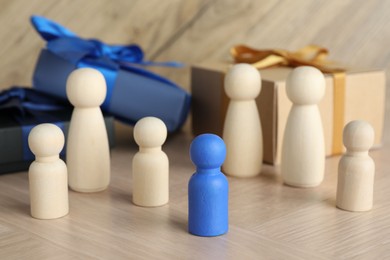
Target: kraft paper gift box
{"points": [[133, 92], [364, 98], [20, 110]]}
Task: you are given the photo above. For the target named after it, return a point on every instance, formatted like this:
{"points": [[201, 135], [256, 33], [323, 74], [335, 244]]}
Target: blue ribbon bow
{"points": [[94, 53]]}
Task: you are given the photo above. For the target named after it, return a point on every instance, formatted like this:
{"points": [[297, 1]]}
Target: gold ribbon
{"points": [[310, 55]]}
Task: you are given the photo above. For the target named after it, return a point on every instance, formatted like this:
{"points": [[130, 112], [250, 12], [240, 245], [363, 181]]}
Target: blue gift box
{"points": [[20, 110], [132, 91]]}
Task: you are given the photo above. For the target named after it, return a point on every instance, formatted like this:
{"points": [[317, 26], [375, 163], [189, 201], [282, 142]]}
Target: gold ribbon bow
{"points": [[310, 55]]}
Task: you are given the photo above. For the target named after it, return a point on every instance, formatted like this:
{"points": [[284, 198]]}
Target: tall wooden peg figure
{"points": [[150, 164], [48, 176], [303, 148], [356, 170], [88, 154], [208, 189], [242, 129]]}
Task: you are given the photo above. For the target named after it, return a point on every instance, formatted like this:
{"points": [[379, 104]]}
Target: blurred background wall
{"points": [[357, 32]]}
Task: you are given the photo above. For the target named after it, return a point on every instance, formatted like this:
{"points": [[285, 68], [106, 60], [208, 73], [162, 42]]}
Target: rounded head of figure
{"points": [[86, 87], [305, 85], [150, 132], [358, 136], [242, 82], [208, 151], [46, 140]]}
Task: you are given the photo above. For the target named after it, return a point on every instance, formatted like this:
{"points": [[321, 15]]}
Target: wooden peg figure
{"points": [[303, 148], [242, 129], [87, 151], [150, 164], [356, 170], [208, 190], [48, 177]]}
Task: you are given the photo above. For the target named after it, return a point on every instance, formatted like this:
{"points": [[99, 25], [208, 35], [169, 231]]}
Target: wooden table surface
{"points": [[267, 219]]}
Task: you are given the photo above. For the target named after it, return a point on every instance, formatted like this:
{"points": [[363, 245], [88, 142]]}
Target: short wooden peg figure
{"points": [[356, 170], [48, 176], [87, 150], [242, 129], [303, 148], [208, 189], [150, 164]]}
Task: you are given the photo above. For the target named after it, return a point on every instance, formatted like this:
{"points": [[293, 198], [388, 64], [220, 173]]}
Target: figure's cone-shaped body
{"points": [[303, 149], [242, 129], [87, 151]]}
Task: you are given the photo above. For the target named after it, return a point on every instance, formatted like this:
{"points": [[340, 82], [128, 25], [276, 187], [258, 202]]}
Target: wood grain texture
{"points": [[267, 219]]}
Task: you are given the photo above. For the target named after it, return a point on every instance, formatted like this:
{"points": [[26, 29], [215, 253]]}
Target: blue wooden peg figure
{"points": [[208, 189]]}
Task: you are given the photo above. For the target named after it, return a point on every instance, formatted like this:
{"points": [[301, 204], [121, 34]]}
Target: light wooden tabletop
{"points": [[267, 218]]}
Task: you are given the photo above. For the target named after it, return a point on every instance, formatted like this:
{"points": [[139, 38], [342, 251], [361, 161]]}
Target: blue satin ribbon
{"points": [[30, 101], [108, 59]]}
